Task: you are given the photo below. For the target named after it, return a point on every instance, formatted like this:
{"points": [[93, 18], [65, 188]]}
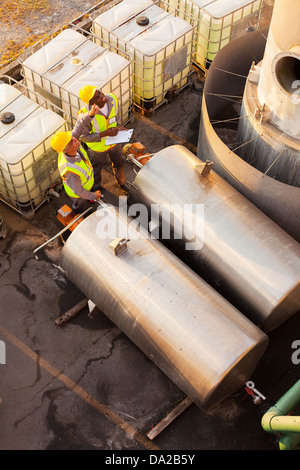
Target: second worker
{"points": [[97, 120]]}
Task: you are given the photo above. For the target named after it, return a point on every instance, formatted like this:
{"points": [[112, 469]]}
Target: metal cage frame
{"points": [[8, 187], [169, 84], [204, 55], [72, 104]]}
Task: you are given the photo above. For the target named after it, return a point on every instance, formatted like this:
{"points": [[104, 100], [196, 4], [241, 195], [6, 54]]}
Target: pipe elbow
{"points": [[267, 419], [276, 422]]}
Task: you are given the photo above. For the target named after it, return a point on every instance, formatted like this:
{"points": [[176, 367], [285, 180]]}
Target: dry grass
{"points": [[16, 14], [24, 22]]}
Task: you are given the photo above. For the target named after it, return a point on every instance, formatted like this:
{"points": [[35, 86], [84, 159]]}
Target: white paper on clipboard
{"points": [[121, 137]]}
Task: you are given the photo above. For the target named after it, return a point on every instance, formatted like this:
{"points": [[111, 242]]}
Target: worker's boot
{"points": [[119, 174]]}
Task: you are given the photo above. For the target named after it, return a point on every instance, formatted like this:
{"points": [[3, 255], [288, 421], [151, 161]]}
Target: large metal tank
{"points": [[159, 43], [225, 238], [198, 339]]}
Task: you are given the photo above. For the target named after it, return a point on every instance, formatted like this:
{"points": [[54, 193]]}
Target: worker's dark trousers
{"points": [[79, 204], [98, 160]]}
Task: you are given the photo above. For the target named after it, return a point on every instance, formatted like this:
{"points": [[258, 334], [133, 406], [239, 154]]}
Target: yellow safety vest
{"points": [[100, 123], [83, 169]]}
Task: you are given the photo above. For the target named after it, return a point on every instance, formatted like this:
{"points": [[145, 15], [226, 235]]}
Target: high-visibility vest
{"points": [[83, 169], [100, 123]]}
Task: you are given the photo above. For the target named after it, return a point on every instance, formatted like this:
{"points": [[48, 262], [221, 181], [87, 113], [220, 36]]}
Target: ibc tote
{"points": [[159, 42], [198, 339], [28, 164], [217, 23], [238, 249], [57, 68]]}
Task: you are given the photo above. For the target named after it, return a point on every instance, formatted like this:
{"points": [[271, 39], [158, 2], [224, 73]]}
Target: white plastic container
{"points": [[159, 43], [218, 23], [28, 164], [59, 68]]}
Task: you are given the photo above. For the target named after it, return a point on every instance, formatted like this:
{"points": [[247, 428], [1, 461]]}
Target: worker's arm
{"points": [[83, 128], [74, 182]]}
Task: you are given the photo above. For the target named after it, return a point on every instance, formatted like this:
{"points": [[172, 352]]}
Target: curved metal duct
{"points": [[202, 343], [237, 249], [225, 82]]}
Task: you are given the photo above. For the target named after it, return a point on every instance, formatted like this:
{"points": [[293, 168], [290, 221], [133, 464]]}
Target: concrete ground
{"points": [[84, 385]]}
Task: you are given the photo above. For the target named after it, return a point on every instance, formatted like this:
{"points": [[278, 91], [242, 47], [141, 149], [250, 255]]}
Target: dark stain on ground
{"points": [[21, 287], [72, 439]]}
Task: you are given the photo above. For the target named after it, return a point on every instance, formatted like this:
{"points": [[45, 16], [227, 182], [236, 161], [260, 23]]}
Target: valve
{"points": [[257, 397]]}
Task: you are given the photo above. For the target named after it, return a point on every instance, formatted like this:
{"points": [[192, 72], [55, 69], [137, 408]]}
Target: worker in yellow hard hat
{"points": [[75, 170], [98, 119], [86, 93]]}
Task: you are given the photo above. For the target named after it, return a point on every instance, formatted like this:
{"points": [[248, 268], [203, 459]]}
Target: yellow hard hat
{"points": [[60, 140], [86, 93]]}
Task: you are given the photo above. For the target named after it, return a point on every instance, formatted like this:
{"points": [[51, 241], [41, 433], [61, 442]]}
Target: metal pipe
{"points": [[276, 421], [283, 424], [63, 230], [197, 338], [131, 158]]}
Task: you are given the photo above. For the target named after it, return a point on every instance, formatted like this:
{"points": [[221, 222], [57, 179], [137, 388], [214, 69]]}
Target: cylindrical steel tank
{"points": [[242, 253], [197, 338]]}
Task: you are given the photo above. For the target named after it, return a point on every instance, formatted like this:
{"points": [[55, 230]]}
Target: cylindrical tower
{"points": [[280, 68], [262, 160], [271, 105]]}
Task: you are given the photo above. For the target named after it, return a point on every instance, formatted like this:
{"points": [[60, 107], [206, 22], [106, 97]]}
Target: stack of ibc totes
{"points": [[28, 164], [58, 68], [218, 23], [159, 42]]}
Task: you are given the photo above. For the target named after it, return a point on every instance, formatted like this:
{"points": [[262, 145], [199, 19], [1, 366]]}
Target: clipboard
{"points": [[121, 137]]}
